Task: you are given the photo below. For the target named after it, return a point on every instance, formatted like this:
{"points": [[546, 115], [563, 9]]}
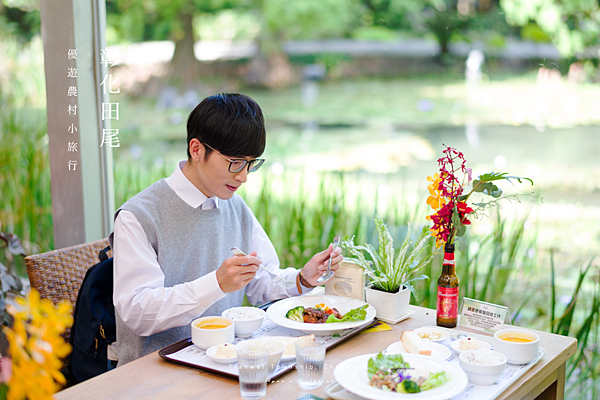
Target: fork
{"points": [[276, 278]]}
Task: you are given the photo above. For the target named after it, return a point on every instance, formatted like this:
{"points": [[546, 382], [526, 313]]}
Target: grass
{"points": [[26, 202]]}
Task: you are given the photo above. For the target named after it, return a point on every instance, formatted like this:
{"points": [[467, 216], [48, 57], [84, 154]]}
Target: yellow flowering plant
{"points": [[36, 347]]}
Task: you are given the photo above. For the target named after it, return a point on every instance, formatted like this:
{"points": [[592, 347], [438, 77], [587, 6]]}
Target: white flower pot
{"points": [[388, 305]]}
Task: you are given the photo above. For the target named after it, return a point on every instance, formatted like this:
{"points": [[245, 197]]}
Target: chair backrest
{"points": [[57, 275]]}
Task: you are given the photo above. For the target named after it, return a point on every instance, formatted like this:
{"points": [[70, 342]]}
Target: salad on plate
{"points": [[321, 314], [393, 374]]}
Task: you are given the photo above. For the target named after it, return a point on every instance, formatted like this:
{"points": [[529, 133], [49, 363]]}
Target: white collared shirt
{"points": [[146, 306]]}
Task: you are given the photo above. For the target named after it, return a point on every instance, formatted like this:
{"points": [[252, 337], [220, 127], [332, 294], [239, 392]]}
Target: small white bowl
{"points": [[211, 352], [517, 353], [456, 346], [247, 320], [204, 335], [482, 374], [443, 335], [275, 348]]}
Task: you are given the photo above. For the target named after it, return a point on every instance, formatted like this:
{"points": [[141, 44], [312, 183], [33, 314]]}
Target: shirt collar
{"points": [[186, 190]]}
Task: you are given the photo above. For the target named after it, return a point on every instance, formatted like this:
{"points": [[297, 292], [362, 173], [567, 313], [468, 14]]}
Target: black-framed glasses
{"points": [[238, 164]]}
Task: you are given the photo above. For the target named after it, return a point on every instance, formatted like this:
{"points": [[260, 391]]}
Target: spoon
{"points": [[329, 273]]}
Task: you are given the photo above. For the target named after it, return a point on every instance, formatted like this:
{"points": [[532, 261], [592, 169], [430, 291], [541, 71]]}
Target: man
{"points": [[172, 241]]}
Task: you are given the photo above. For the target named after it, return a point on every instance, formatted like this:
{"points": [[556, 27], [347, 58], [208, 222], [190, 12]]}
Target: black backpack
{"points": [[94, 326]]}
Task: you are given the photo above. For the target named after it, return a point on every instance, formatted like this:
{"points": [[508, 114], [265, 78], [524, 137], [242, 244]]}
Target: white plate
{"points": [[211, 352], [455, 345], [400, 318], [352, 375], [438, 351], [277, 312], [444, 335]]}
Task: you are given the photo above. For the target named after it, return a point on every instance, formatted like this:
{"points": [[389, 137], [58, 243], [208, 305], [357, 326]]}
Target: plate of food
{"points": [[469, 343], [321, 315], [432, 334], [222, 353], [411, 343], [400, 376]]}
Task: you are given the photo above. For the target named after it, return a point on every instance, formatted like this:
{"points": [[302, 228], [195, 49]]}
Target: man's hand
{"points": [[237, 271], [318, 264]]}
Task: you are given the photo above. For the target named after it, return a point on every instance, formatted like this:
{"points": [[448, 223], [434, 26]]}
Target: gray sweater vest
{"points": [[189, 243]]}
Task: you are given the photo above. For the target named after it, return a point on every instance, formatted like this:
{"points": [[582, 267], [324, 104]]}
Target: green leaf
{"points": [[386, 246], [518, 178], [435, 379], [461, 231], [492, 176], [462, 243], [386, 362], [477, 187], [409, 286], [356, 314], [455, 218], [14, 244]]}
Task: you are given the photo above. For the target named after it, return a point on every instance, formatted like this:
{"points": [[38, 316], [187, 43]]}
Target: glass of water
{"points": [[310, 361], [253, 362]]}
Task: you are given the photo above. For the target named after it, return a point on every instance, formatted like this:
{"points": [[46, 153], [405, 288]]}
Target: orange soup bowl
{"points": [[210, 331], [518, 345]]}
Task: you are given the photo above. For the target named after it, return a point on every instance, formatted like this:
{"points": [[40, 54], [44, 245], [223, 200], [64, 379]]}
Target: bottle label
{"points": [[447, 303], [448, 258]]}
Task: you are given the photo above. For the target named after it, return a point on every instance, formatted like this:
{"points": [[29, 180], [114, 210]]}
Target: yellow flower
{"points": [[435, 200], [36, 347]]}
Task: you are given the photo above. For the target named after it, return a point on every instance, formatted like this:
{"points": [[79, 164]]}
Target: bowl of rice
{"points": [[483, 367], [246, 320]]}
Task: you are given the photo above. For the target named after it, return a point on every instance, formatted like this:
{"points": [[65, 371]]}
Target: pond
{"points": [[395, 130]]}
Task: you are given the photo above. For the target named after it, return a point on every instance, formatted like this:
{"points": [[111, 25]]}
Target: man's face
{"points": [[214, 178]]}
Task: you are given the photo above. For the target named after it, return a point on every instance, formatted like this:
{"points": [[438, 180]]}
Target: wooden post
{"points": [[81, 170]]}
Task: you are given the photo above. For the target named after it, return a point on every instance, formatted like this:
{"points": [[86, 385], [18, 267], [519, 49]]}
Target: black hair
{"points": [[231, 123]]}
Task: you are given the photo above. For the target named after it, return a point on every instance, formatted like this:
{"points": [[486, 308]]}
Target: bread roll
{"points": [[413, 343]]}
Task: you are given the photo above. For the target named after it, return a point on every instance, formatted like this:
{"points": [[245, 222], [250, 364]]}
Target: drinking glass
{"points": [[253, 361], [310, 361]]}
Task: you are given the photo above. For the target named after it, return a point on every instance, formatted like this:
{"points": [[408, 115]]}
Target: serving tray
{"points": [[186, 353], [509, 376]]}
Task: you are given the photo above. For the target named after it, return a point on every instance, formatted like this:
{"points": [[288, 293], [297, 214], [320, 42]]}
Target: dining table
{"points": [[152, 377]]}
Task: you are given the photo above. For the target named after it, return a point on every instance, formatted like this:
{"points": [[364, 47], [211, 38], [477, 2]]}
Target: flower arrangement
{"points": [[449, 201], [36, 347], [385, 272]]}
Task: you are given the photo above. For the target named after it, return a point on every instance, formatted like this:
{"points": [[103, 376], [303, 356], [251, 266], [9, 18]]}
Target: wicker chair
{"points": [[57, 275]]}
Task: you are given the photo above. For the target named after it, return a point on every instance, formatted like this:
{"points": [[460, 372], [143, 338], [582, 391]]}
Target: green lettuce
{"points": [[386, 362], [434, 380], [392, 364], [357, 314]]}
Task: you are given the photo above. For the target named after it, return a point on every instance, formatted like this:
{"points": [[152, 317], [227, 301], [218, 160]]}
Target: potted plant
{"points": [[389, 272]]}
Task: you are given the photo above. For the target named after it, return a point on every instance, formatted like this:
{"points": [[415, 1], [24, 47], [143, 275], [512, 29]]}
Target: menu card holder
{"points": [[482, 316], [348, 281]]}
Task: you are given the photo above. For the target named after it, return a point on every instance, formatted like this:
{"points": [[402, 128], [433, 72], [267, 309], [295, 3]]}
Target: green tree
{"points": [[139, 20], [572, 25], [442, 18], [445, 19], [20, 18], [282, 20]]}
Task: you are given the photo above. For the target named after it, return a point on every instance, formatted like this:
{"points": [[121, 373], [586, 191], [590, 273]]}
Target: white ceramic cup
{"points": [[517, 353], [204, 337]]}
